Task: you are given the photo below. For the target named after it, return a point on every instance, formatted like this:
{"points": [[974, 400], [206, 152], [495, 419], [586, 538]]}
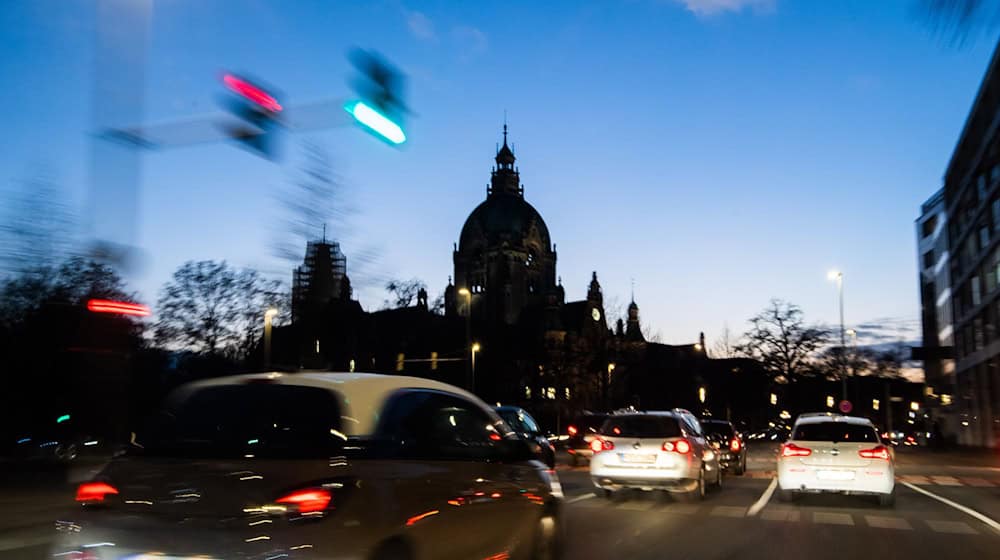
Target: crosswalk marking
{"points": [[781, 515], [977, 482], [636, 506], [956, 527], [946, 481], [880, 522], [833, 518]]}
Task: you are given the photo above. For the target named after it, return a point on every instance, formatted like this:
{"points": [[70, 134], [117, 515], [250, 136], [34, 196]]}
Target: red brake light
{"points": [[735, 445], [598, 445], [94, 491], [879, 452], [310, 500], [792, 450], [667, 446], [571, 430], [119, 307], [682, 446]]}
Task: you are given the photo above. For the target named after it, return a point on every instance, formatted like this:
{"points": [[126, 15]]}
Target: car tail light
{"points": [[598, 445], [94, 492], [680, 446], [792, 450], [309, 500], [571, 430], [735, 445], [880, 452]]}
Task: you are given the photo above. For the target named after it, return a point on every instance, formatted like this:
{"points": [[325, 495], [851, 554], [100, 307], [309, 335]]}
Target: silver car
{"points": [[306, 466], [654, 450]]}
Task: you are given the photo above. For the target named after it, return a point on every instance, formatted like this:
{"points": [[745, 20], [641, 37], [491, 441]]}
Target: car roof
{"points": [[714, 421], [670, 413], [819, 417], [362, 394]]}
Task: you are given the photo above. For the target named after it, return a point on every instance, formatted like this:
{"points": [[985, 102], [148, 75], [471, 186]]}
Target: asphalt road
{"points": [[724, 525]]}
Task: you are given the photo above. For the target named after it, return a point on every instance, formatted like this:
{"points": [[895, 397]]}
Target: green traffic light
{"points": [[63, 418], [375, 121]]}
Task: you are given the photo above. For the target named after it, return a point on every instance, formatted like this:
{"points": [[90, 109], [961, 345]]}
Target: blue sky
{"points": [[719, 152]]}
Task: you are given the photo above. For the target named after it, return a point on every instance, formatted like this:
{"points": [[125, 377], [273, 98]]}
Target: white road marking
{"points": [[956, 527], [636, 506], [966, 510], [581, 498], [833, 518], [946, 481], [880, 522], [780, 515], [762, 501]]}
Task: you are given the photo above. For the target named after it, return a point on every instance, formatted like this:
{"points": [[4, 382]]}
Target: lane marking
{"points": [[955, 527], [880, 522], [966, 510], [833, 518], [581, 498], [762, 501]]}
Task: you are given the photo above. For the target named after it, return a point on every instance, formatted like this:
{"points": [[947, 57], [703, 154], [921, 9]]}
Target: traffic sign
{"points": [[846, 407]]}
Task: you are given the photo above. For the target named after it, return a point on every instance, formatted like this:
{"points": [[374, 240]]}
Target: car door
{"points": [[698, 439], [450, 493]]}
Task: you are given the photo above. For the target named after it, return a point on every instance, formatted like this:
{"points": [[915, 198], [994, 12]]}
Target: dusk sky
{"points": [[719, 152]]}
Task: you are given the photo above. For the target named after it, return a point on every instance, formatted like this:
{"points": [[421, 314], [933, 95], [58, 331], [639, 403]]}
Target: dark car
{"points": [[582, 431], [730, 445], [525, 426]]}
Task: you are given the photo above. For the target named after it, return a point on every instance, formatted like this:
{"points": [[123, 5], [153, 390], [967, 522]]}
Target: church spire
{"points": [[505, 176]]}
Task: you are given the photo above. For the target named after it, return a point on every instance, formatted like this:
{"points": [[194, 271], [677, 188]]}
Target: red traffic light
{"points": [[119, 307], [252, 93]]}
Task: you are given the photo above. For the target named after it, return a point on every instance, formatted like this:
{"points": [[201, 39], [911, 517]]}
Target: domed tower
{"points": [[504, 258]]}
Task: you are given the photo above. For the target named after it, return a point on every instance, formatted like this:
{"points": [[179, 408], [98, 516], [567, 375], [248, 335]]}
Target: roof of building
{"points": [[504, 217]]}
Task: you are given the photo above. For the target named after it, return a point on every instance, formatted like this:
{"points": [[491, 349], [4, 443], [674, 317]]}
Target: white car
{"points": [[319, 465], [654, 450], [834, 453]]}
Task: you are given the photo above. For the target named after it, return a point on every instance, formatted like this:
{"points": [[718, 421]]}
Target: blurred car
{"points": [[308, 466], [835, 453], [581, 431], [527, 429], [728, 443], [655, 450]]}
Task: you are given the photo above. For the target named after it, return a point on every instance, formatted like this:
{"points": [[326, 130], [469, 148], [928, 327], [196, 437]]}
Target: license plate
{"points": [[835, 475], [637, 458]]}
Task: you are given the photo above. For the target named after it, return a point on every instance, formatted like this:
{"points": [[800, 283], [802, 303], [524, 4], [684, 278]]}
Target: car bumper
{"points": [[645, 478], [872, 479], [585, 452]]}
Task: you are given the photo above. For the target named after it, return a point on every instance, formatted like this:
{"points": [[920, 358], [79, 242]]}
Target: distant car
{"points": [[729, 444], [835, 453], [307, 466], [581, 431], [654, 450], [525, 426]]}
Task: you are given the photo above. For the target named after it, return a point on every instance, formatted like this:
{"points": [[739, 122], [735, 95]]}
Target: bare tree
{"points": [[36, 231], [213, 308], [726, 345], [958, 20], [402, 292], [781, 341]]}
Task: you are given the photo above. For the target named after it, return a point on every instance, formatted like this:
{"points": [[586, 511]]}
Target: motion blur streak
{"points": [[416, 518], [252, 92], [119, 307]]}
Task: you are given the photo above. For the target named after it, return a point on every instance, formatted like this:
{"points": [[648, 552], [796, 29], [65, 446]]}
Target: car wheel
{"points": [[545, 543], [741, 467], [887, 500], [698, 493], [607, 494]]}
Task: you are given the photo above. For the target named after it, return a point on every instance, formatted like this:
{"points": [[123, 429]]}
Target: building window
{"points": [[566, 391], [976, 293], [929, 259], [977, 330], [527, 392], [981, 187], [928, 227], [984, 237], [317, 346], [400, 360], [995, 207], [550, 393], [434, 361]]}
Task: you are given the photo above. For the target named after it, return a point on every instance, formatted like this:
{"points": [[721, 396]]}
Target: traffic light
{"points": [[380, 107], [259, 112]]}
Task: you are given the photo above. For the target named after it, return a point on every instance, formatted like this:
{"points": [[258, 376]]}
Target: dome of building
{"points": [[504, 218]]}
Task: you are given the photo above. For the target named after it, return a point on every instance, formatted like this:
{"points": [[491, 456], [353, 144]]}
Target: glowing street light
{"points": [[475, 348], [268, 316], [829, 401], [701, 395]]}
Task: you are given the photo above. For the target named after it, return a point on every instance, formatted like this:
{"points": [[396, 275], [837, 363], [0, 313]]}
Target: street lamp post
{"points": [[268, 316], [839, 277], [470, 378], [475, 348], [607, 385]]}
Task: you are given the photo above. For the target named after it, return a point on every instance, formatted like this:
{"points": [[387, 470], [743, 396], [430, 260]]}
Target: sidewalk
{"points": [[955, 458]]}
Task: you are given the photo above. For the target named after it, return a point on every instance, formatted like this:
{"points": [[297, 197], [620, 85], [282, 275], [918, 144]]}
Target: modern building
{"points": [[972, 205], [937, 349]]}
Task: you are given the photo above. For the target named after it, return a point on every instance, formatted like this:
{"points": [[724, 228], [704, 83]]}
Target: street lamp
{"points": [[838, 276], [475, 348], [268, 316]]}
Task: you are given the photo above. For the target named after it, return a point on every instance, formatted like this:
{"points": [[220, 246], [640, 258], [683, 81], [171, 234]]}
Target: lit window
{"points": [[829, 401], [527, 392], [351, 366], [400, 360], [434, 361], [875, 404], [566, 392], [550, 392], [317, 346], [774, 398], [945, 400]]}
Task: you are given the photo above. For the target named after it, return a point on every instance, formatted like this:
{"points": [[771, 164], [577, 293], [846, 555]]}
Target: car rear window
{"points": [[835, 431], [256, 420], [717, 428], [645, 426]]}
